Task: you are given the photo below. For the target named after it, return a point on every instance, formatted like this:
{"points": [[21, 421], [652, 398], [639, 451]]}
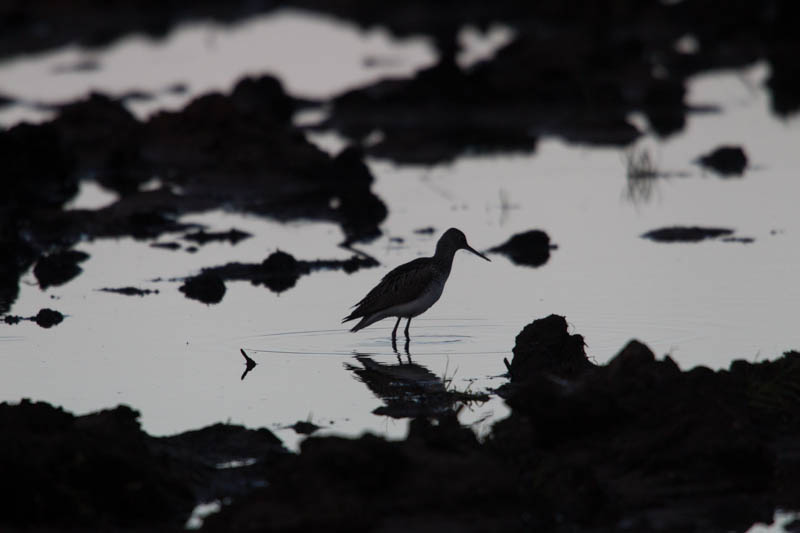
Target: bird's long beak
{"points": [[476, 252]]}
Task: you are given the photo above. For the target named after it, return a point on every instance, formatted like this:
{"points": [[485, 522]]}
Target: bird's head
{"points": [[453, 240]]}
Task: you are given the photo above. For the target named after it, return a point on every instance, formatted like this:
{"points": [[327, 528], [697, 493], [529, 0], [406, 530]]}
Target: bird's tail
{"points": [[364, 322]]}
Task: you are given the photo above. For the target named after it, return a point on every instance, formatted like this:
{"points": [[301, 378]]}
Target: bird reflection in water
{"points": [[410, 390]]}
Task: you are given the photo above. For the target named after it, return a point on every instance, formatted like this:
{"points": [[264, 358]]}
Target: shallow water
{"points": [[178, 361]]}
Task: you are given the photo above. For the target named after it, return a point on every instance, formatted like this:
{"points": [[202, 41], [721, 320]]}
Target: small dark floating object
{"points": [[686, 234], [206, 287], [166, 245], [249, 363], [430, 230], [47, 318], [130, 291], [233, 236], [725, 160], [59, 267], [279, 262], [742, 240], [531, 248], [305, 428]]}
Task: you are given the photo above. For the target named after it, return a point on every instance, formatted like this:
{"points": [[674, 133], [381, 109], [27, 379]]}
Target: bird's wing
{"points": [[401, 285]]}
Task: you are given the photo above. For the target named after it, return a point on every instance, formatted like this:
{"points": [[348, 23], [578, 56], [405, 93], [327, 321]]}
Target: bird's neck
{"points": [[444, 259]]}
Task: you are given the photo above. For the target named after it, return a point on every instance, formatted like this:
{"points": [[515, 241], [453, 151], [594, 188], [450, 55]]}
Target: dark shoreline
{"points": [[636, 444]]}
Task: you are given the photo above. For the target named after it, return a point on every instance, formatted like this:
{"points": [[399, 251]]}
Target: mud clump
{"points": [[531, 248], [129, 291], [546, 346], [206, 287], [686, 234], [725, 160], [58, 268], [47, 318]]}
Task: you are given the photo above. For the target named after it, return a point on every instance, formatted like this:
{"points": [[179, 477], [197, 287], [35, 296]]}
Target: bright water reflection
{"points": [[178, 361]]}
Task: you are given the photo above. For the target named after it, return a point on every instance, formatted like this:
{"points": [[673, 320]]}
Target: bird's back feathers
{"points": [[401, 285]]}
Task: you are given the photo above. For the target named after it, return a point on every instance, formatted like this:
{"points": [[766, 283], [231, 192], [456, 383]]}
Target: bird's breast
{"points": [[421, 304]]}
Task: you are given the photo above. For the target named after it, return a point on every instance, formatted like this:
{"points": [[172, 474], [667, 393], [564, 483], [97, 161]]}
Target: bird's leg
{"points": [[394, 347], [408, 354], [407, 324], [394, 331]]}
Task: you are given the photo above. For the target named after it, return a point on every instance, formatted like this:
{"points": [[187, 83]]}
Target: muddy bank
{"points": [[102, 471], [576, 72], [637, 444], [237, 151]]}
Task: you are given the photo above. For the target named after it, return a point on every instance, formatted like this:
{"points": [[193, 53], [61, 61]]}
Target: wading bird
{"points": [[410, 289]]}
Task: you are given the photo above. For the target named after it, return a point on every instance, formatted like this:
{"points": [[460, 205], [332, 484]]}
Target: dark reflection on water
{"points": [[409, 389]]}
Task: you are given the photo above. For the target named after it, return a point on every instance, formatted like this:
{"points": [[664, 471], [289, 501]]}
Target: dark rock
{"points": [[545, 347], [130, 291], [12, 319], [206, 287], [725, 160], [531, 248], [59, 267], [686, 234], [47, 318]]}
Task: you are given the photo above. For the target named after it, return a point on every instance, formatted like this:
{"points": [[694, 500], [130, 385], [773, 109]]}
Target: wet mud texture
{"points": [[101, 471], [238, 151], [636, 444]]}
